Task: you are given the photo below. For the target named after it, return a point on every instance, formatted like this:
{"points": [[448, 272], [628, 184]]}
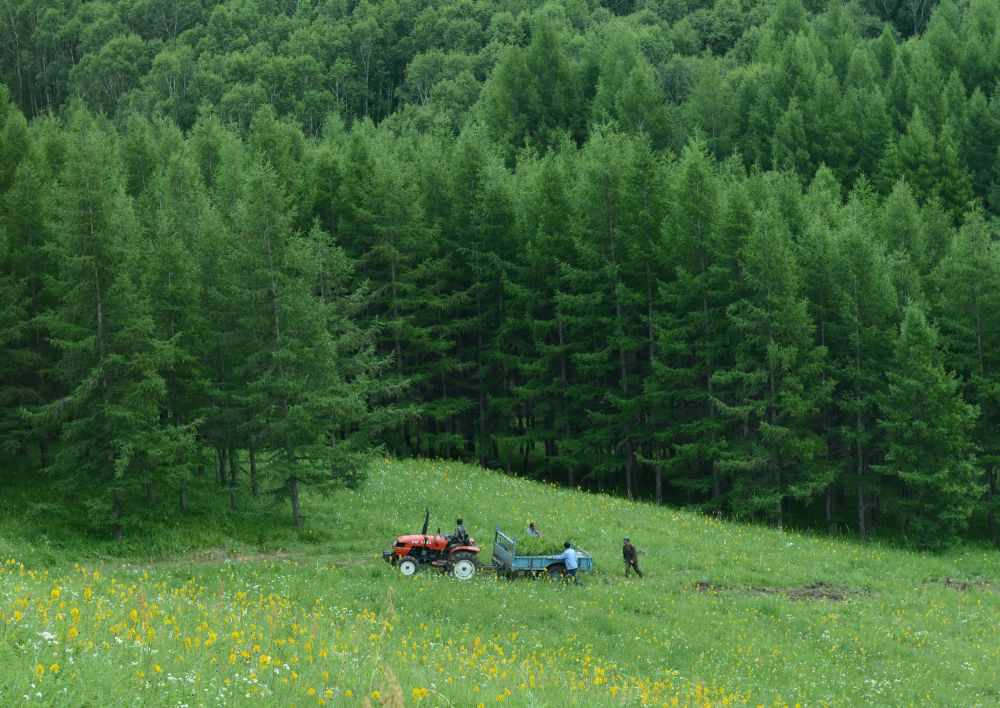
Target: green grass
{"points": [[726, 613]]}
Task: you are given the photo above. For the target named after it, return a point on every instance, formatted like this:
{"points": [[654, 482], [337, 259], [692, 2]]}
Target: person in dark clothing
{"points": [[459, 535], [631, 557]]}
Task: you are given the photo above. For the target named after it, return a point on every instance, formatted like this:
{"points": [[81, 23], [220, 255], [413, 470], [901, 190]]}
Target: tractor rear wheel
{"points": [[463, 565], [556, 571], [408, 566]]}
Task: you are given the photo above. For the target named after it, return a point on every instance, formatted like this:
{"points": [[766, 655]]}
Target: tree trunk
{"points": [[293, 495], [148, 487], [482, 402], [117, 531], [233, 465], [659, 485], [862, 527], [781, 501], [829, 508], [254, 482], [184, 499], [220, 467], [991, 491], [629, 482], [862, 509]]}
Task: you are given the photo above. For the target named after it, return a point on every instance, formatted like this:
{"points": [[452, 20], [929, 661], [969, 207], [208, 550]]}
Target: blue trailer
{"points": [[507, 562]]}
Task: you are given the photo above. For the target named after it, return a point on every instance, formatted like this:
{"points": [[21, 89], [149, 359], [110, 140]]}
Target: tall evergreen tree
{"points": [[929, 431], [776, 389], [309, 369], [859, 339], [967, 285], [111, 361]]}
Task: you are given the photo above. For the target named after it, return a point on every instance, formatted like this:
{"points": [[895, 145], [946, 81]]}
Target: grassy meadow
{"points": [[240, 609]]}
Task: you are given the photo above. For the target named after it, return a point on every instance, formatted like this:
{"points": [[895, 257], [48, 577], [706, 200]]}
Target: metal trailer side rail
{"points": [[507, 561]]}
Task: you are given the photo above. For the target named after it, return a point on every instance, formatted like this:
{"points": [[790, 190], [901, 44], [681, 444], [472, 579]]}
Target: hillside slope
{"points": [[727, 614]]}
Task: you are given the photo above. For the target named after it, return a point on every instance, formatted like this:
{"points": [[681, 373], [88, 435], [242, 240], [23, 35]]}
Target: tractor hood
{"points": [[416, 539]]}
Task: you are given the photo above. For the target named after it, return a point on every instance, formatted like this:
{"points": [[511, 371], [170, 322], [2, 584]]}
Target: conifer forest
{"points": [[735, 255]]}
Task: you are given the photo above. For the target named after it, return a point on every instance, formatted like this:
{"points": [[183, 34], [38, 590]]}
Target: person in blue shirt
{"points": [[568, 557]]}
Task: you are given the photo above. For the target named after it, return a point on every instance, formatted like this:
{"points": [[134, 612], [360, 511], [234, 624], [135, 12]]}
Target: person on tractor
{"points": [[459, 535]]}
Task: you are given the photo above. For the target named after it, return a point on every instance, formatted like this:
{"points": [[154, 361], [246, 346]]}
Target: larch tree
{"points": [[110, 358], [775, 390], [860, 342], [929, 431], [967, 284], [310, 371]]}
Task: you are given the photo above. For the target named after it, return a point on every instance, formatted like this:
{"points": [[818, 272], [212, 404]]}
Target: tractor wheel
{"points": [[556, 571], [408, 567], [463, 566]]}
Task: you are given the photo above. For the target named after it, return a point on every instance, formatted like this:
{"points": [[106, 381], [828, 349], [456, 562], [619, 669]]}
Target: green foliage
{"points": [[929, 443], [571, 240]]}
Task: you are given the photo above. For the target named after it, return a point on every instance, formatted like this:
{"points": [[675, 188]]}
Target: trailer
{"points": [[508, 563]]}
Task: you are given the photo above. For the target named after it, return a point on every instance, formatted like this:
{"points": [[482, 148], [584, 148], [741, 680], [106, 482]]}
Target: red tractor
{"points": [[451, 554]]}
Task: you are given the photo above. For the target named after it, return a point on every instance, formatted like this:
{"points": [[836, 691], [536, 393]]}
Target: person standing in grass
{"points": [[631, 556], [533, 530], [569, 559]]}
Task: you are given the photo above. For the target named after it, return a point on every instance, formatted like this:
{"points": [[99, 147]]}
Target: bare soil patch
{"points": [[964, 585], [814, 591], [818, 590]]}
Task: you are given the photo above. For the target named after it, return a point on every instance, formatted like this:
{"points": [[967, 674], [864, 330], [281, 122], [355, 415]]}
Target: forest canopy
{"points": [[739, 254]]}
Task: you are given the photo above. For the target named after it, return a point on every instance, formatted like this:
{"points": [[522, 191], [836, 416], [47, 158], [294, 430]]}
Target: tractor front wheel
{"points": [[463, 566], [408, 567]]}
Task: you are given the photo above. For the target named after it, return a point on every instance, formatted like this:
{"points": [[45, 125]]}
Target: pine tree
{"points": [[859, 340], [929, 438], [703, 235], [310, 372], [775, 390], [179, 222], [790, 146], [967, 283], [381, 224], [111, 361], [604, 310], [545, 217]]}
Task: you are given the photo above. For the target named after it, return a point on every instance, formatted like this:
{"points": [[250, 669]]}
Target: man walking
{"points": [[631, 557]]}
